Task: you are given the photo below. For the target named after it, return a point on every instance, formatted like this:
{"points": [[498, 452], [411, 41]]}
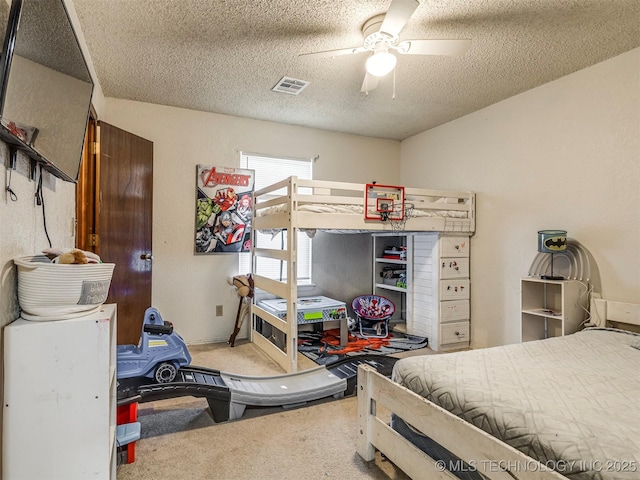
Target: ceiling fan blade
{"points": [[334, 53], [370, 83], [433, 47], [397, 16]]}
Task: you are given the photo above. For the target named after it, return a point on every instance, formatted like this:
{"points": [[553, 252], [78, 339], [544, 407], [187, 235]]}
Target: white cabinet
{"points": [[450, 327], [551, 308], [60, 398], [435, 301]]}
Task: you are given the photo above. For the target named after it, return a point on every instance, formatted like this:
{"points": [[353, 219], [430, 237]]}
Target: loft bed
{"points": [[558, 408], [296, 204]]}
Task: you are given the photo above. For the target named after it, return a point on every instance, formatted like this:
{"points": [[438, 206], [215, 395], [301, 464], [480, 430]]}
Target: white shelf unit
{"points": [[60, 396], [435, 303], [551, 308], [399, 295]]}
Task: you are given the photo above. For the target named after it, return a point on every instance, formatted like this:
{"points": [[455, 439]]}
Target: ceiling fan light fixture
{"points": [[381, 63]]}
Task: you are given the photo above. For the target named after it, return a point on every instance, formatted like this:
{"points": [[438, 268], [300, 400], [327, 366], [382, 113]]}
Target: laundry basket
{"points": [[50, 291]]}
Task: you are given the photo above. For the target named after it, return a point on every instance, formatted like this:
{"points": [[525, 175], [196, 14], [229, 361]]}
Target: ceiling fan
{"points": [[381, 38]]}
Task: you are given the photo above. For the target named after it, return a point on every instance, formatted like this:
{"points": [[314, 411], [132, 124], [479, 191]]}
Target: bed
{"points": [[563, 407], [297, 204]]}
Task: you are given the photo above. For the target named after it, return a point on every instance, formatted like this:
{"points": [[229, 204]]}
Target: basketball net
{"points": [[398, 222]]}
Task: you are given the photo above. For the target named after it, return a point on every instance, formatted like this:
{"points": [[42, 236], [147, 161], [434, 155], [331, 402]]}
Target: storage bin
{"points": [[50, 291]]}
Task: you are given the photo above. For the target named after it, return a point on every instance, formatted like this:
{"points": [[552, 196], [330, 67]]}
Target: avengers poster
{"points": [[224, 201]]}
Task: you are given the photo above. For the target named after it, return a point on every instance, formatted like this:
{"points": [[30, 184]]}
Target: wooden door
{"points": [[123, 176]]}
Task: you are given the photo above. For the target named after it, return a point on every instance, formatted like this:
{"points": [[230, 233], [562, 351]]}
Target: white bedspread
{"points": [[570, 402]]}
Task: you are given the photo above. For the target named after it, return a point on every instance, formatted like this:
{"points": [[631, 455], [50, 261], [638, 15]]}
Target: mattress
{"points": [[569, 402], [356, 210]]}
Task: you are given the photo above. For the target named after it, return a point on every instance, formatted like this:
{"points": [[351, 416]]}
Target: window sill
{"points": [[306, 287]]}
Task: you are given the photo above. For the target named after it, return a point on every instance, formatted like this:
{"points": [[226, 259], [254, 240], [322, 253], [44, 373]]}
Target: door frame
{"points": [[87, 191]]}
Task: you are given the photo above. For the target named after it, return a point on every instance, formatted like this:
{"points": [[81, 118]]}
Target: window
{"points": [[269, 170]]}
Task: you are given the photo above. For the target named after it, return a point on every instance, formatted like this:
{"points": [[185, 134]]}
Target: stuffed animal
{"points": [[71, 256], [75, 256]]}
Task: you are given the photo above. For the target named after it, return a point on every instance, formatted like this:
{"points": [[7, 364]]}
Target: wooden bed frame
{"points": [[378, 396], [290, 197]]}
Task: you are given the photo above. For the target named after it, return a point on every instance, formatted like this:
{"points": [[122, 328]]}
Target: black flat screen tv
{"points": [[46, 86]]}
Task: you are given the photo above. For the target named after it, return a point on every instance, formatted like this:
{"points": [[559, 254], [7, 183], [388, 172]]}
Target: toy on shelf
{"points": [[159, 355]]}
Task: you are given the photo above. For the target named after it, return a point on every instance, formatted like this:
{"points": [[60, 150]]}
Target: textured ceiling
{"points": [[224, 56]]}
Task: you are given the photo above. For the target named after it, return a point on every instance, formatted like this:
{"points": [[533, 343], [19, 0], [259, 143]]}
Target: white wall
{"points": [[186, 287], [565, 155], [22, 226]]}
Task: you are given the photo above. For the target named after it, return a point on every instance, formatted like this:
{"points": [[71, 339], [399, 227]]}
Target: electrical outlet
{"points": [[218, 310]]}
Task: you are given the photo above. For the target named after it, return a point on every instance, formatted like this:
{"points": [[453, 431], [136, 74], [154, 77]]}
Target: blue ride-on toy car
{"points": [[160, 354]]}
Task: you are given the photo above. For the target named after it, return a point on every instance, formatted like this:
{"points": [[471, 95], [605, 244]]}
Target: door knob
{"points": [[146, 256]]}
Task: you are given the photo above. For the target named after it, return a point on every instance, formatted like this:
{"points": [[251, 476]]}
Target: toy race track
{"points": [[228, 395]]}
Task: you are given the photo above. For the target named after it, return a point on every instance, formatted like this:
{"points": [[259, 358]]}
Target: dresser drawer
{"points": [[454, 246], [454, 310], [454, 267], [454, 289], [456, 332]]}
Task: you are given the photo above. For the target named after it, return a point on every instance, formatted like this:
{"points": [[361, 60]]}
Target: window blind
{"points": [[269, 170]]}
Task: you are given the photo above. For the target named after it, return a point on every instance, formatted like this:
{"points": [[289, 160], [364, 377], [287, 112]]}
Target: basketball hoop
{"points": [[398, 222], [383, 202]]}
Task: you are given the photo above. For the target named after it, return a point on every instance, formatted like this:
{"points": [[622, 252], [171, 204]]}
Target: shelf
{"points": [[37, 159], [544, 312], [540, 296], [391, 260], [551, 308], [392, 270], [391, 287]]}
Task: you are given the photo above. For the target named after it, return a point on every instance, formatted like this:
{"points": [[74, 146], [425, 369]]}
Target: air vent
{"points": [[290, 86]]}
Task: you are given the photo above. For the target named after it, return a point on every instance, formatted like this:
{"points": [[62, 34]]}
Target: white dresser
{"points": [[441, 290], [60, 398]]}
